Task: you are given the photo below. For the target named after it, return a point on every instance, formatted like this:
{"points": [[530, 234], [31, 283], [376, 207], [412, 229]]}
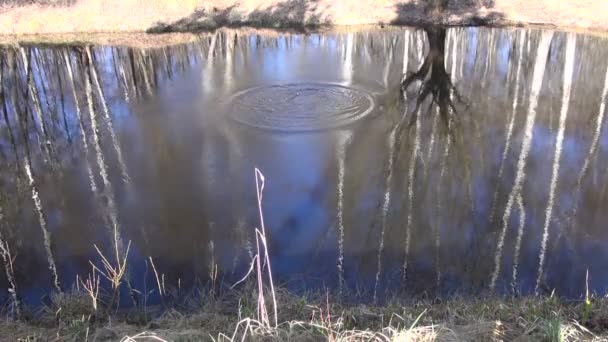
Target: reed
{"points": [[9, 271], [260, 264], [91, 287], [113, 272], [159, 284], [316, 317]]}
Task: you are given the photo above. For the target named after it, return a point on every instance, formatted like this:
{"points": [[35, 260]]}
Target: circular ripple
{"points": [[300, 107]]}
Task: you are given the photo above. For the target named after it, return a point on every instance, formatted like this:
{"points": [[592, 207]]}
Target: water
{"points": [[368, 189]]}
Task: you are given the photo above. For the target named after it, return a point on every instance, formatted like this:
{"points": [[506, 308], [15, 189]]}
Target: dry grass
{"points": [[145, 41], [316, 317], [89, 16], [93, 16], [135, 40]]}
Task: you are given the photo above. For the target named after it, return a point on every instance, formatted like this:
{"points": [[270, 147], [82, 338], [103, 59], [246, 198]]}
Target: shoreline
{"points": [[114, 21], [144, 40]]}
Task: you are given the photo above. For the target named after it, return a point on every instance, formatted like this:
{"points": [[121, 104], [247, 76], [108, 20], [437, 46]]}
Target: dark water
{"points": [[504, 191]]}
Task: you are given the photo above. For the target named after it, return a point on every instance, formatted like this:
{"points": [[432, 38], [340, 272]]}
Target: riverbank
{"points": [[104, 16], [315, 317]]}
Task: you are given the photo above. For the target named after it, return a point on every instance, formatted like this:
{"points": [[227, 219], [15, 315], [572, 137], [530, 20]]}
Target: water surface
{"points": [[504, 191]]}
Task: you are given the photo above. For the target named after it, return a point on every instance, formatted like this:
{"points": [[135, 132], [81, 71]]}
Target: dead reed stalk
{"points": [[261, 267], [91, 287]]}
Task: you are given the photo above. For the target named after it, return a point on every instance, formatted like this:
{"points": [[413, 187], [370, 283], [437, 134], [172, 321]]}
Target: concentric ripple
{"points": [[300, 106]]}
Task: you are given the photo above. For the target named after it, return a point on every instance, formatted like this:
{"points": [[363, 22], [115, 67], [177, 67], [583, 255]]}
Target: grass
{"points": [[90, 16], [320, 316]]}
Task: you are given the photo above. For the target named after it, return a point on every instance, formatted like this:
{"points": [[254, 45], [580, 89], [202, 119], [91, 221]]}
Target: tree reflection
{"points": [[435, 82]]}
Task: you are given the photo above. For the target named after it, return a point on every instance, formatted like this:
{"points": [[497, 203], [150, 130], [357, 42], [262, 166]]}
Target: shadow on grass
{"points": [[447, 12], [289, 14]]}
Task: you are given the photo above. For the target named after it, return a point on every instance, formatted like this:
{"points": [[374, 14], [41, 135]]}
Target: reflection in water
{"points": [[568, 69], [14, 308], [347, 66], [105, 145], [106, 113], [108, 192], [342, 145], [394, 142], [410, 192], [592, 150], [537, 81], [412, 162], [511, 124], [520, 235], [32, 92], [43, 226], [120, 74], [83, 134]]}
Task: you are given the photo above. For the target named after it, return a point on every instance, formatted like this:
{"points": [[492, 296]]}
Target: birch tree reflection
{"points": [[431, 91], [432, 85]]}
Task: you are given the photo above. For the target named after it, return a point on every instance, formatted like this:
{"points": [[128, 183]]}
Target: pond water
{"points": [[487, 173]]}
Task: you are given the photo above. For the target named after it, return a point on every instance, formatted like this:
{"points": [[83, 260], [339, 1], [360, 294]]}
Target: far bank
{"points": [[129, 16]]}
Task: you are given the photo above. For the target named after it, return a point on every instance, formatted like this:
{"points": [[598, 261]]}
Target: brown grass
{"points": [[135, 39], [142, 40], [89, 16]]}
